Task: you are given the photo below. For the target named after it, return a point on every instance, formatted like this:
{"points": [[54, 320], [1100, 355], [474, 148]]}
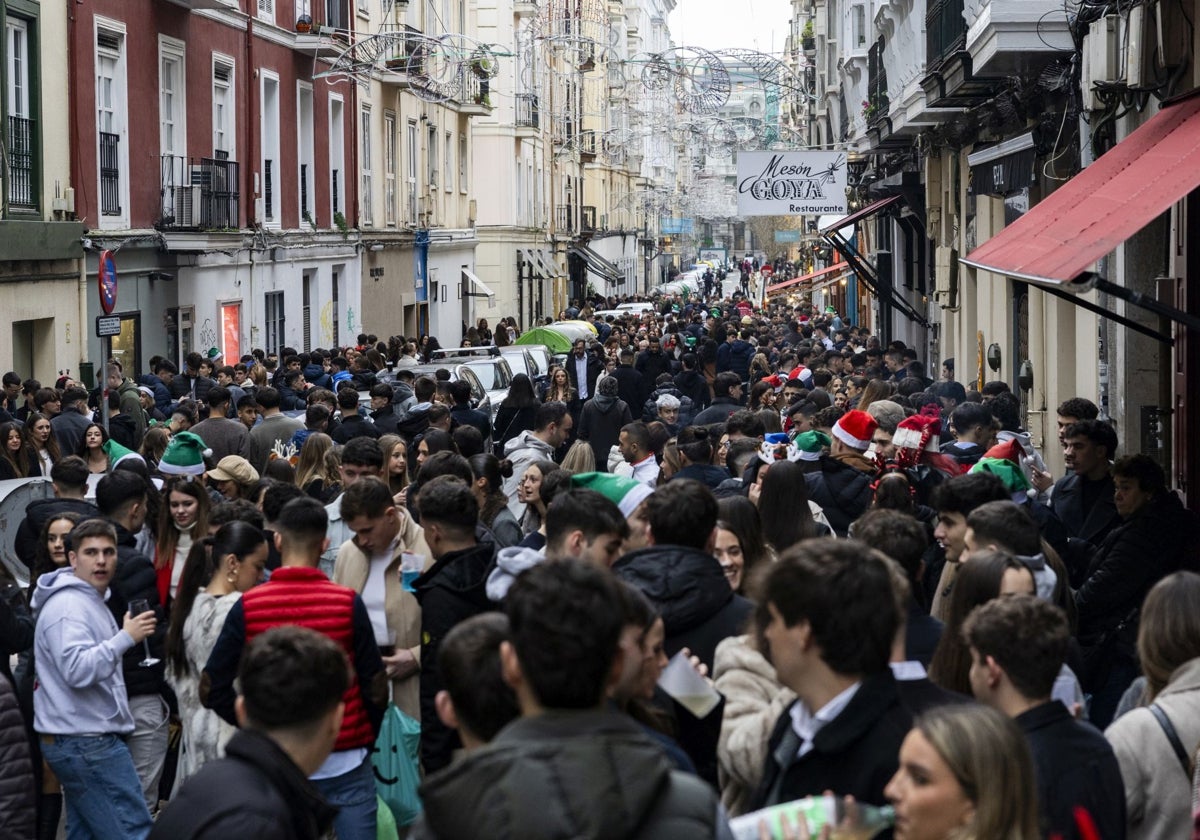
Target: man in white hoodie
{"points": [[80, 706]]}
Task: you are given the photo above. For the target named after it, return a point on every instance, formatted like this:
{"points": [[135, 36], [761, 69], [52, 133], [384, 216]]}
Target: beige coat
{"points": [[403, 611], [1158, 794], [754, 700]]}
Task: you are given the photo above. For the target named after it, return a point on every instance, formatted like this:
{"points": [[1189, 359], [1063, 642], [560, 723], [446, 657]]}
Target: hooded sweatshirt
{"points": [[510, 563], [523, 450], [78, 650]]}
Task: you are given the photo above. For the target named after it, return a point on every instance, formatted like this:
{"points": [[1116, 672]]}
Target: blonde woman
{"points": [[580, 458], [395, 463], [312, 475], [965, 774]]}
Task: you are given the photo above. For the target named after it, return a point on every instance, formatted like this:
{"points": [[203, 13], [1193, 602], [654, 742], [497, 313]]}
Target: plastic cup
{"points": [[690, 690], [411, 566]]}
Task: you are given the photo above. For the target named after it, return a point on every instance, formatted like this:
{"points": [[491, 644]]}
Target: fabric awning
{"points": [[1089, 216], [863, 213], [834, 269], [597, 264], [549, 265], [481, 288]]}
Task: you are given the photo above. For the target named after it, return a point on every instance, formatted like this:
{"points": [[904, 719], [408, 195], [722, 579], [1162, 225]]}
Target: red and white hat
{"points": [[855, 429], [919, 431]]}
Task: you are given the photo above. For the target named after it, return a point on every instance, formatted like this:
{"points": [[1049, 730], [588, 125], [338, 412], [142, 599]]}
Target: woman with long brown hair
{"points": [[12, 452], [182, 520], [41, 446]]}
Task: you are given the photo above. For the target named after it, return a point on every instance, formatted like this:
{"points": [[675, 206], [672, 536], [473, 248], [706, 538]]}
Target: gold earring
{"points": [[232, 576]]}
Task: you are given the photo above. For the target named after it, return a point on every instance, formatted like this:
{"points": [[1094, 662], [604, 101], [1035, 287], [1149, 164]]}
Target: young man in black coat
{"points": [[1018, 645], [833, 617], [290, 712]]}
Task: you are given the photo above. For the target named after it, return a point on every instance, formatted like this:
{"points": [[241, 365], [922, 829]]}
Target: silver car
{"points": [[494, 376]]}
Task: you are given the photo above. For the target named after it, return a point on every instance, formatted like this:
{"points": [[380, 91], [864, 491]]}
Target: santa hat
{"points": [[812, 444], [802, 373], [918, 432], [1010, 450], [625, 493], [777, 446], [855, 429], [184, 455], [775, 381]]}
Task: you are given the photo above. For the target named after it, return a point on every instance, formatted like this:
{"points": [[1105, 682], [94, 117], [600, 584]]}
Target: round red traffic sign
{"points": [[106, 280]]}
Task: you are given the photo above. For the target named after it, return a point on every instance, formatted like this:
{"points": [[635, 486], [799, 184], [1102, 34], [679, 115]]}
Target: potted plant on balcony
{"points": [[481, 67], [484, 98], [806, 36]]}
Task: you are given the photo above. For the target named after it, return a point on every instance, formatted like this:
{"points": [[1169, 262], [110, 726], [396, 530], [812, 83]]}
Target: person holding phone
{"points": [[81, 709]]}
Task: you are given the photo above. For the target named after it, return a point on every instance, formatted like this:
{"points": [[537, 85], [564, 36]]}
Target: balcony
{"points": [[952, 80], [193, 5], [527, 114], [565, 218], [110, 174], [1013, 37], [587, 145], [878, 105], [587, 219], [201, 194], [404, 55], [474, 95], [22, 143]]}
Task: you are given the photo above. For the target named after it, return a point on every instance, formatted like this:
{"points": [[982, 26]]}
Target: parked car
{"points": [[494, 377]]}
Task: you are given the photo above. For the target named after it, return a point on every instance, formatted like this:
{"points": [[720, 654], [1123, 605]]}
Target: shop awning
{"points": [[835, 270], [1089, 216], [549, 264], [471, 280], [597, 264], [1007, 166], [863, 213]]}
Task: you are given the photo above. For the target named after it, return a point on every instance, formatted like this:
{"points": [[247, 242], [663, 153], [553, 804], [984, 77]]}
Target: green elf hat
{"points": [[1005, 470], [117, 453], [625, 493], [184, 455], [812, 444]]}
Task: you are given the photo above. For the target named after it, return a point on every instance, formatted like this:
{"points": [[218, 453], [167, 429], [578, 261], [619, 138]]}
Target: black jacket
{"points": [[450, 592], [16, 627], [842, 491], [718, 411], [1156, 541], [921, 634], [510, 422], [855, 754], [600, 425], [693, 384], [17, 796], [1075, 765], [385, 420], [464, 415], [965, 456], [691, 593], [289, 400], [352, 426], [136, 578], [567, 774], [255, 791], [651, 366], [36, 516], [1085, 532], [123, 429], [631, 386], [710, 475]]}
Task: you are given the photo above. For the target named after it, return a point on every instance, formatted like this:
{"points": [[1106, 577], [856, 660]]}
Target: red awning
{"points": [[824, 272], [863, 213], [1105, 204]]}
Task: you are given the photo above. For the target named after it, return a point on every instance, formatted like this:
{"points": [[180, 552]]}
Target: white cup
{"points": [[690, 690]]}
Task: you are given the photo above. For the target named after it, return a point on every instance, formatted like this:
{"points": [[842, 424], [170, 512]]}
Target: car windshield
{"points": [[492, 375]]}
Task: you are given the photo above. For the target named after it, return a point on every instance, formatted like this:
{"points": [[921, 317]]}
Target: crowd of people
{"points": [[874, 574]]}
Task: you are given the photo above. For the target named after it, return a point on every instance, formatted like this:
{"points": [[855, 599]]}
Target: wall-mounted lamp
{"points": [[993, 356]]}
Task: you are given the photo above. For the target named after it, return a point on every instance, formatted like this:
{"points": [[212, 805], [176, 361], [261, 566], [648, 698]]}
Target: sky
{"points": [[715, 24]]}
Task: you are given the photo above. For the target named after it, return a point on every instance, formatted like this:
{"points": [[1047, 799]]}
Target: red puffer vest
{"points": [[307, 598]]}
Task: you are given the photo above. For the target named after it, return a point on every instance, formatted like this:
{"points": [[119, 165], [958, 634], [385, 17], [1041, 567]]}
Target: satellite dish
{"points": [[16, 495]]}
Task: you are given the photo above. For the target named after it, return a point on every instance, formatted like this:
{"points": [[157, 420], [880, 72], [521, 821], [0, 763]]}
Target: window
{"points": [[269, 131], [858, 24], [306, 306], [266, 10], [335, 296], [19, 131], [462, 162], [411, 169], [224, 110], [366, 169], [172, 110], [448, 168], [389, 169], [305, 158], [431, 171], [337, 156], [112, 123], [273, 309]]}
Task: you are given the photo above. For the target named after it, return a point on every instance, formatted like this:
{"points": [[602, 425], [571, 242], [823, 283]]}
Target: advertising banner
{"points": [[788, 183]]}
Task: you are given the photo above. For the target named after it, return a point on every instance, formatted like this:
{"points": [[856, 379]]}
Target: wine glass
{"points": [[136, 607]]}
